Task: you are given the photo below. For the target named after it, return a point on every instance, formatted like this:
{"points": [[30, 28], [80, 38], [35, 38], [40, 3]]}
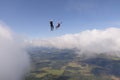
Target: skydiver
{"points": [[58, 25], [51, 25]]}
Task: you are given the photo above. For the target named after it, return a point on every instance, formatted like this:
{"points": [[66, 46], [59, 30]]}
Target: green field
{"points": [[66, 65]]}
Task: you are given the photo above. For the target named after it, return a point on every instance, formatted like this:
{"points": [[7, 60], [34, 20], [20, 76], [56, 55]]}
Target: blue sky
{"points": [[31, 17]]}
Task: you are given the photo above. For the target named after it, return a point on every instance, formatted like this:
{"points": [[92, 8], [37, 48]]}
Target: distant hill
{"points": [[56, 64]]}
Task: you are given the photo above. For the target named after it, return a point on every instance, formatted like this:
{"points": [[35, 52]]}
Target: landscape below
{"points": [[56, 64]]}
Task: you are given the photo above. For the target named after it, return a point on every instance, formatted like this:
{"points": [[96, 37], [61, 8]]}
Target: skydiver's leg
{"points": [[52, 28]]}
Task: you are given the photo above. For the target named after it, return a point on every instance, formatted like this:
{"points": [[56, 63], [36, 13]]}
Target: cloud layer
{"points": [[14, 60], [89, 41]]}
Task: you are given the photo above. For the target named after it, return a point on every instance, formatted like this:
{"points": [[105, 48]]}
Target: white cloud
{"points": [[89, 41], [5, 31], [14, 60]]}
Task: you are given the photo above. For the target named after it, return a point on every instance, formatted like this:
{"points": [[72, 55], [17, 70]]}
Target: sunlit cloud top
{"points": [[88, 41]]}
